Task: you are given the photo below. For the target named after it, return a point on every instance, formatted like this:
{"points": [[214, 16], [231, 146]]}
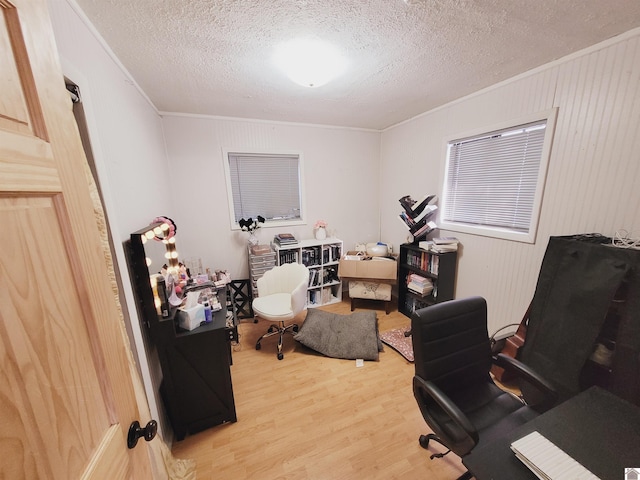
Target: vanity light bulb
{"points": [[165, 241], [174, 254], [149, 234], [172, 240], [167, 255], [143, 238], [165, 226], [157, 231], [148, 260]]}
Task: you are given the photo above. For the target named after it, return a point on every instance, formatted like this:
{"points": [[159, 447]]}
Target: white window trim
{"points": [[530, 237], [279, 224]]}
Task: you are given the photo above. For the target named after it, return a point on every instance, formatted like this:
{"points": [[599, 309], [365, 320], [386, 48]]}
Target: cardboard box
{"points": [[371, 268]]}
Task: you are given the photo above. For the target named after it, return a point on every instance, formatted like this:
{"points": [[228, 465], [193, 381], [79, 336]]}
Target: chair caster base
{"points": [[424, 443], [280, 356]]}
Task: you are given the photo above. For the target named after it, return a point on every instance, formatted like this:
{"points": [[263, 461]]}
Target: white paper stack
{"points": [[548, 461]]}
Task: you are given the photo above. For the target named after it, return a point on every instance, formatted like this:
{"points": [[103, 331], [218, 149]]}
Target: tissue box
{"points": [[190, 318]]}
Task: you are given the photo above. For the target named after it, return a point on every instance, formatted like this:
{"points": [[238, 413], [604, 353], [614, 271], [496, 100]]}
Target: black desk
{"points": [[596, 428]]}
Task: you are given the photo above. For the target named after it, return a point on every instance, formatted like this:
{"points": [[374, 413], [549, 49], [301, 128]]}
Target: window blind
{"points": [[267, 185], [492, 178]]}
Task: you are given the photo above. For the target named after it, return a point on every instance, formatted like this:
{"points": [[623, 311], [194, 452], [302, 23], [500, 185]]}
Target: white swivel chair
{"points": [[282, 295]]}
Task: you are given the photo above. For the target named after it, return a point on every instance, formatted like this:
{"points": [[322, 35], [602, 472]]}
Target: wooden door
{"points": [[66, 391]]}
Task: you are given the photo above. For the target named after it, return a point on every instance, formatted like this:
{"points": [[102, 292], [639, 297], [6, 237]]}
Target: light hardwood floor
{"points": [[313, 417]]}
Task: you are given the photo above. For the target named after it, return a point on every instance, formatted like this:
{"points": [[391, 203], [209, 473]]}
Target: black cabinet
{"points": [[438, 268], [196, 385], [190, 369]]}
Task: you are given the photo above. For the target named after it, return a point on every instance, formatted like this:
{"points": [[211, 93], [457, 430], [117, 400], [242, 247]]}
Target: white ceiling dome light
{"points": [[310, 63]]}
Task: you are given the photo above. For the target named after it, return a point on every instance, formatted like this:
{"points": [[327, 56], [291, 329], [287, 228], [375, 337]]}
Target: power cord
{"points": [[493, 337], [622, 239]]}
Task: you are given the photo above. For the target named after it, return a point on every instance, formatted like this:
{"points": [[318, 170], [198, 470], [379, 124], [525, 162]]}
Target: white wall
{"points": [[341, 168], [128, 146], [593, 175]]}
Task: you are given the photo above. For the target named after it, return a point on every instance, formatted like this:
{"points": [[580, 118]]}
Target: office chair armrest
{"points": [[530, 376], [422, 387]]}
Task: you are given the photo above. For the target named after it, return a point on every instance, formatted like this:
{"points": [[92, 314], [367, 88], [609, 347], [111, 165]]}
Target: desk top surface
{"points": [[596, 428]]}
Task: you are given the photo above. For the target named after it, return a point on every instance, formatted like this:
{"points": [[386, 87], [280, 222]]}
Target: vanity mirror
{"points": [[153, 257], [189, 369]]}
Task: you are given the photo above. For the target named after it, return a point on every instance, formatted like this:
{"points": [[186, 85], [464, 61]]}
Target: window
{"points": [[494, 180], [264, 184]]}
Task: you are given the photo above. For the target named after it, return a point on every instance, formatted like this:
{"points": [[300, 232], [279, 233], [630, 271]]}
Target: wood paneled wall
{"points": [[592, 180]]}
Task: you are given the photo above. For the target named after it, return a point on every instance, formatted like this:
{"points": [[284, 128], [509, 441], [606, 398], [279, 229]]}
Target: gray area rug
{"points": [[350, 337]]}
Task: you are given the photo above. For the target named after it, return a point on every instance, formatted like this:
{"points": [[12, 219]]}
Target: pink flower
{"points": [[320, 224]]}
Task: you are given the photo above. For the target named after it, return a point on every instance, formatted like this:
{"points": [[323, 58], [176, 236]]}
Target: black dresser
{"points": [[190, 369]]}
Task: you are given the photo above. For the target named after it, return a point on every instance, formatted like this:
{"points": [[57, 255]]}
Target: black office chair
{"points": [[452, 385]]}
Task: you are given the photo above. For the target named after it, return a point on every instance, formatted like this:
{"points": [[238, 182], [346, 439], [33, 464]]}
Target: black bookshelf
{"points": [[440, 268]]}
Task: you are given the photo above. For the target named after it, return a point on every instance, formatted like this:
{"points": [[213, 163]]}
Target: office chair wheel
{"points": [[258, 346], [424, 441], [295, 328], [280, 356]]}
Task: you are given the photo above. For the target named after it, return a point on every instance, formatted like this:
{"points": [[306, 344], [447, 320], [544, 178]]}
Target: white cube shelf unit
{"points": [[321, 257]]}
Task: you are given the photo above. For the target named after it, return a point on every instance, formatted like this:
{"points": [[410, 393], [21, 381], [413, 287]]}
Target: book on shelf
{"points": [[428, 211], [446, 241], [431, 246], [285, 239], [419, 284], [311, 256], [425, 244], [312, 297], [424, 261], [444, 248], [288, 256], [423, 230], [419, 225], [326, 296], [419, 220], [314, 277], [406, 221], [331, 253]]}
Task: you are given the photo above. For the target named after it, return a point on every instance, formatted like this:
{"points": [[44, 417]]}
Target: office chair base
{"points": [[280, 331], [424, 443]]}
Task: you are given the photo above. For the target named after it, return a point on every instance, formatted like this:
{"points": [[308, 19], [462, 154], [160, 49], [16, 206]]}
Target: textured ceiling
{"points": [[213, 57]]}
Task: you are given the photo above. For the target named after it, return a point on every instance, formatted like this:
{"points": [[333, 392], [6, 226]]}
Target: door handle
{"points": [[136, 431]]}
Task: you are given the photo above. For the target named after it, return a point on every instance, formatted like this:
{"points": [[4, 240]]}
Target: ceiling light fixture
{"points": [[310, 63]]}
